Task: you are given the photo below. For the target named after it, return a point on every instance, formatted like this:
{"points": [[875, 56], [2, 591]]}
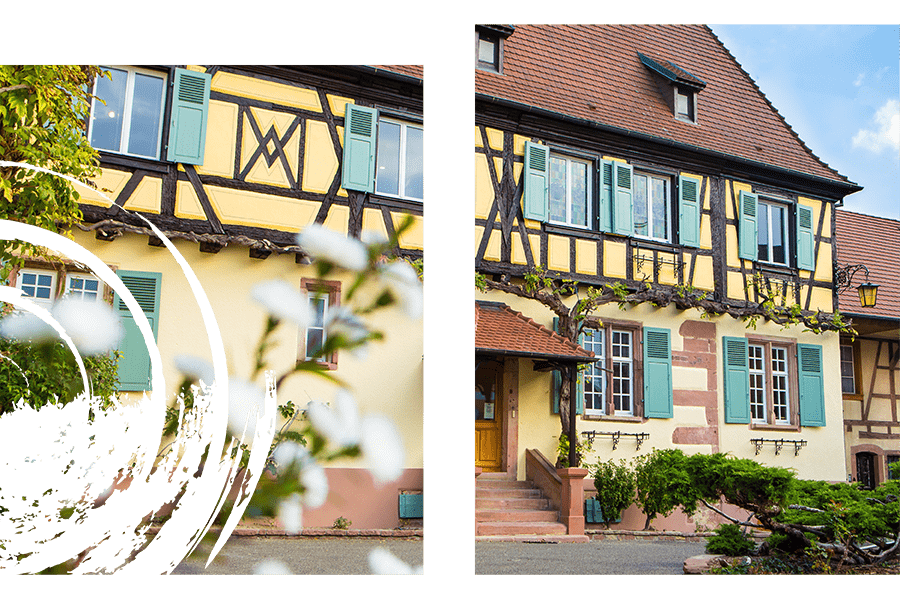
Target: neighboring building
{"points": [[645, 156], [870, 373], [230, 162]]}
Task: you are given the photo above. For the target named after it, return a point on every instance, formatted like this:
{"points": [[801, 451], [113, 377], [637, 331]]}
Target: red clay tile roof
{"points": [[411, 70], [593, 72], [875, 243], [501, 330]]}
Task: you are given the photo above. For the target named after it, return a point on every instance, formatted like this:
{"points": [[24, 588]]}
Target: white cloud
{"points": [[887, 130], [859, 79]]}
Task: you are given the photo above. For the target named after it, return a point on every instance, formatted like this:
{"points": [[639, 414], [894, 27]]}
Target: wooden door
{"points": [[488, 416]]}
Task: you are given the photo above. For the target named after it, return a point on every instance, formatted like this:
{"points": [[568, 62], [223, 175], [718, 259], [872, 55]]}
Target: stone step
{"points": [[512, 503], [501, 484], [519, 528], [516, 515], [518, 492]]}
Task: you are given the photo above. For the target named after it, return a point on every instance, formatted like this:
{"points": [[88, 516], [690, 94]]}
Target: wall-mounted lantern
{"points": [[843, 281]]}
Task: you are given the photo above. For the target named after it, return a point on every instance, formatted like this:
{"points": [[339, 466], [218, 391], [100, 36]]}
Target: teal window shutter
{"points": [[360, 138], [748, 239], [134, 365], [812, 388], [622, 203], [737, 380], [604, 218], [557, 381], [410, 506], [536, 186], [190, 108], [657, 373], [806, 258], [689, 211]]}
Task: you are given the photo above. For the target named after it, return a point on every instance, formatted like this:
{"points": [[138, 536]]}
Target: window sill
{"points": [[135, 162], [414, 206], [853, 397], [773, 427], [613, 418], [571, 231]]}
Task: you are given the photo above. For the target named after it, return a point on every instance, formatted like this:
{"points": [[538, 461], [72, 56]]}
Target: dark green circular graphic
{"points": [[55, 463]]}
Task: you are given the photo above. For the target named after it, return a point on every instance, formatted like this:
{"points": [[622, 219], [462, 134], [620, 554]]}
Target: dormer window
{"points": [[679, 88], [489, 46]]}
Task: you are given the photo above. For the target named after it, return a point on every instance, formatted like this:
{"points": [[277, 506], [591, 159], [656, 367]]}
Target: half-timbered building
{"points": [[230, 163], [868, 252], [644, 160]]}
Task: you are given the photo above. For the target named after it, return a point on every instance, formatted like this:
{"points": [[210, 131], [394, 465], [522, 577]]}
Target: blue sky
{"points": [[838, 87]]}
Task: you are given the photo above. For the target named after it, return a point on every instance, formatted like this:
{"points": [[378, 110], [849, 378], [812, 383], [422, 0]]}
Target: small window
{"points": [[684, 103], [399, 163], [772, 239], [609, 383], [652, 207], [487, 51], [848, 371], [622, 372], [595, 374], [129, 120], [892, 462], [570, 191], [324, 297], [40, 286], [83, 287]]}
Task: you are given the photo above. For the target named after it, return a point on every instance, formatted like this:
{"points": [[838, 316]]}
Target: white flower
{"points": [[373, 237], [26, 326], [195, 368], [271, 567], [283, 301], [338, 423], [382, 448], [343, 322], [333, 247], [403, 282], [382, 562], [94, 326], [245, 405], [315, 484], [287, 453], [290, 514]]}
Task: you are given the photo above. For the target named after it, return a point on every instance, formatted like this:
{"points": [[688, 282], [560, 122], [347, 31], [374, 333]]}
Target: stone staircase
{"points": [[514, 509]]}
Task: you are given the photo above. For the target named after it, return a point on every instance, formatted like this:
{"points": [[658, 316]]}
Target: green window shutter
{"points": [[657, 373], [187, 126], [360, 138], [557, 381], [812, 388], [748, 242], [536, 186], [604, 218], [134, 365], [689, 211], [806, 258], [737, 380], [623, 205]]}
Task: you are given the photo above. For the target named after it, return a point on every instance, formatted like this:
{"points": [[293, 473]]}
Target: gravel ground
{"points": [[600, 557]]}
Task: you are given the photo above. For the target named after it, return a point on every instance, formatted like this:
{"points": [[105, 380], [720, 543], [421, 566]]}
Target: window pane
{"points": [[641, 224], [143, 137], [388, 177], [314, 339], [763, 231], [660, 209], [106, 122], [779, 251], [579, 194], [487, 51], [558, 190], [413, 183], [848, 378]]}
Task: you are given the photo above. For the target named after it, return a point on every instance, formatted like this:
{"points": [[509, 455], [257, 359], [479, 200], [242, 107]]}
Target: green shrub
{"points": [[662, 483], [729, 540], [46, 373], [615, 488]]}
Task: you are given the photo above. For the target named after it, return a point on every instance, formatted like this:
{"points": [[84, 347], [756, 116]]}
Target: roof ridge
{"points": [[775, 110]]}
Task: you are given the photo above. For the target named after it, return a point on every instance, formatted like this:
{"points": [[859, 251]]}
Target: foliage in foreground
{"points": [[729, 540], [615, 488]]}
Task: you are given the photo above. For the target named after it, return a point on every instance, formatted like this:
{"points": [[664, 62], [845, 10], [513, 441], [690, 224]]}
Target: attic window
{"points": [[489, 46], [679, 87]]}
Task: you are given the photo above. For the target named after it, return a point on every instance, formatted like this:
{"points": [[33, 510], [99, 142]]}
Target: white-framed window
{"points": [[324, 296], [315, 331], [770, 383], [131, 120], [848, 370], [38, 285], [487, 50], [772, 233], [570, 191], [399, 162], [595, 374], [685, 100], [83, 287], [622, 372], [652, 207]]}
